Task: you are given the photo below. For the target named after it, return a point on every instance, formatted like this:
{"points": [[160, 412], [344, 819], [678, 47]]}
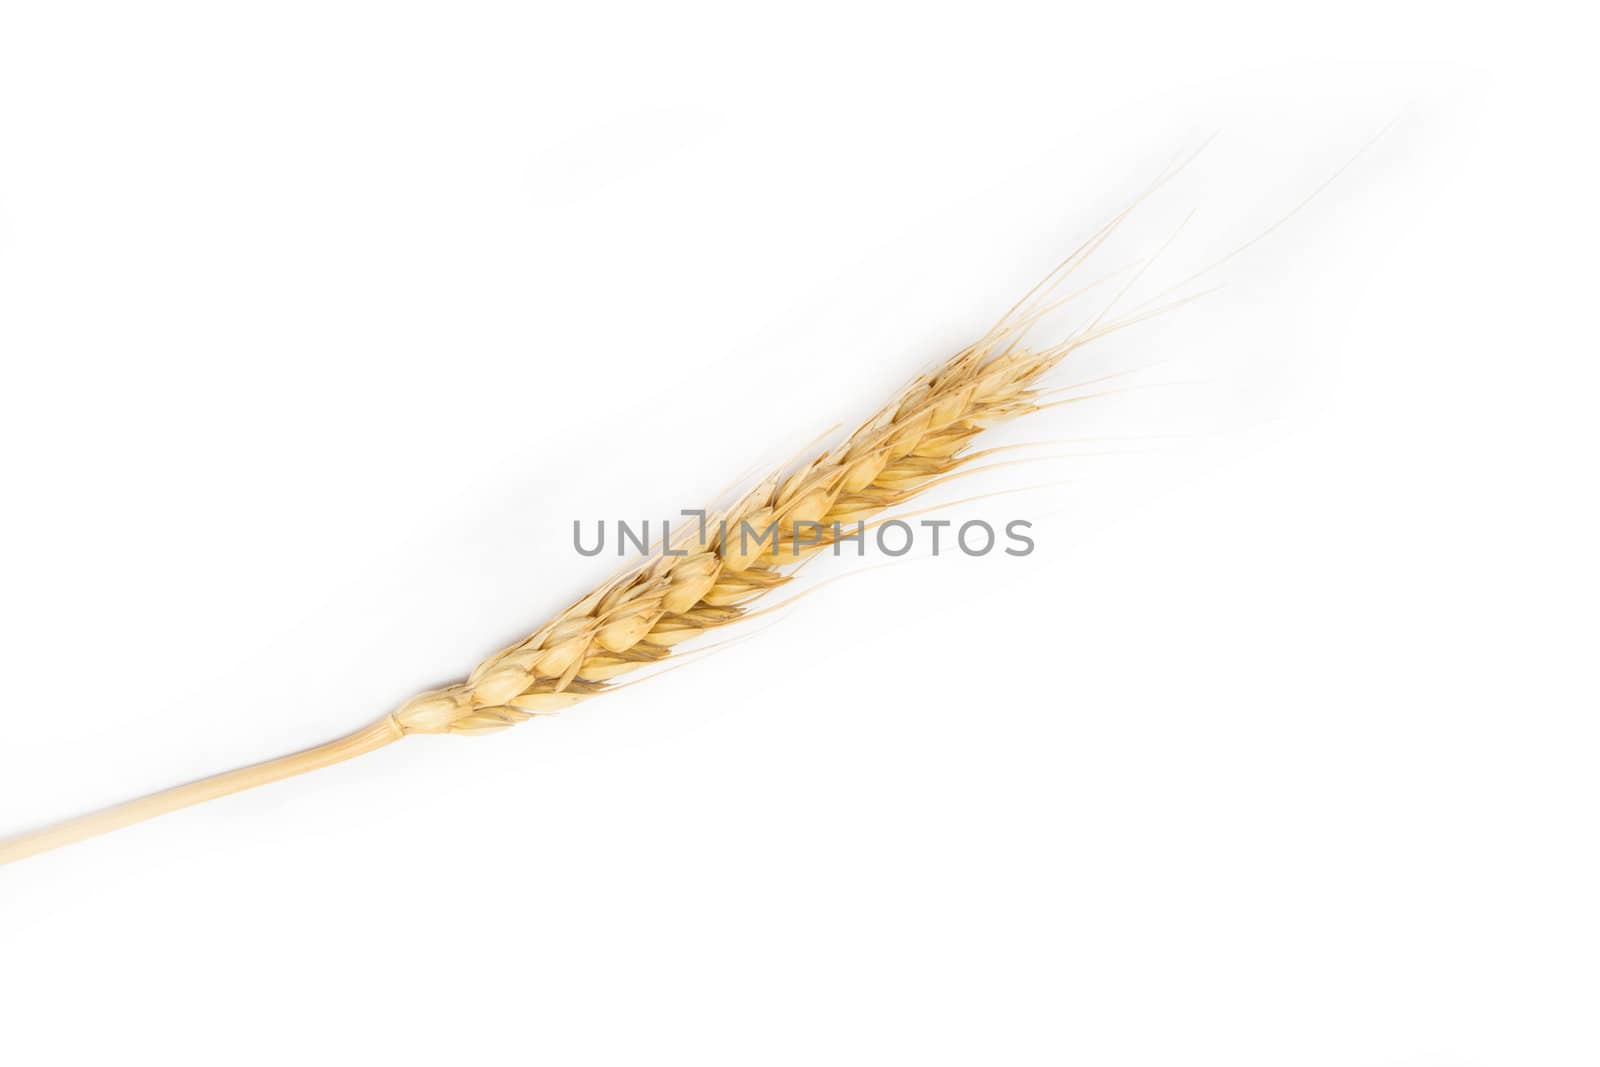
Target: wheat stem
{"points": [[367, 739]]}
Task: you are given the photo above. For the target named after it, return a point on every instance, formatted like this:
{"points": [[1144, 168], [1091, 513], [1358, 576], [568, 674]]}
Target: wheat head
{"points": [[713, 575]]}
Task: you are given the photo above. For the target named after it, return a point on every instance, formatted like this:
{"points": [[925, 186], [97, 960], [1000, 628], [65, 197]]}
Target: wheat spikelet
{"points": [[717, 572]]}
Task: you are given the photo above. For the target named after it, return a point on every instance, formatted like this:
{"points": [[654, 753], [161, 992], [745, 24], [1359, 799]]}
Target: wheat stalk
{"points": [[713, 574]]}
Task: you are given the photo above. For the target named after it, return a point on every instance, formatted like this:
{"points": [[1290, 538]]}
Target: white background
{"points": [[320, 323]]}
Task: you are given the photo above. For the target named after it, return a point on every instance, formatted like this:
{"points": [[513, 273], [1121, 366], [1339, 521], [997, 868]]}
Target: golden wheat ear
{"points": [[715, 575]]}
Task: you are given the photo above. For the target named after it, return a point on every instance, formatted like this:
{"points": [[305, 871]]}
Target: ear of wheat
{"points": [[713, 574]]}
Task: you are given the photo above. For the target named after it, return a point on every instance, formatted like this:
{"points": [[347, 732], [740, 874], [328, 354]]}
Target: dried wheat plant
{"points": [[710, 577]]}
